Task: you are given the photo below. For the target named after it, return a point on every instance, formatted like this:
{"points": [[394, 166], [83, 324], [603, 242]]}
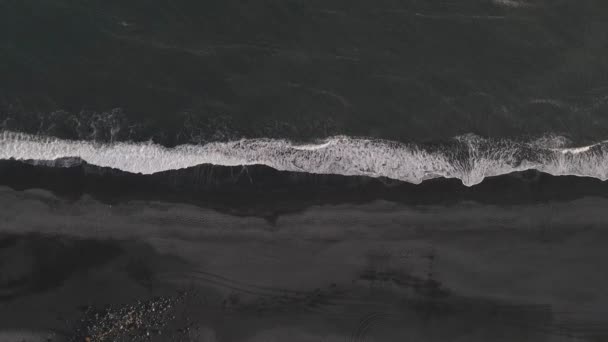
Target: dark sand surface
{"points": [[265, 192], [378, 271]]}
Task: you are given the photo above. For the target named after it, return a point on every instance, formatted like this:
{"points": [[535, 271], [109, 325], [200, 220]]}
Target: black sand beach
{"points": [[303, 171]]}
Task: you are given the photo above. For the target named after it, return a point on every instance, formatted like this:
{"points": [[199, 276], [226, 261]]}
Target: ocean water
{"points": [[189, 71], [303, 170], [468, 158]]}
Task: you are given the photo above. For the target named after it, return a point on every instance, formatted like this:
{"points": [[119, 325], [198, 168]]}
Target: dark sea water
{"points": [[196, 71], [303, 170]]}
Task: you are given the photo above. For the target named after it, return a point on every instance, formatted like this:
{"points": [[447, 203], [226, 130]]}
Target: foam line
{"points": [[469, 158]]}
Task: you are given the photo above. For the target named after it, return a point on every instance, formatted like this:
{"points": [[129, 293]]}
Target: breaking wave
{"points": [[469, 158]]}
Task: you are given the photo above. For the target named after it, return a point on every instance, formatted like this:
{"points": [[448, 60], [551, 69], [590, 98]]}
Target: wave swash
{"points": [[469, 158]]}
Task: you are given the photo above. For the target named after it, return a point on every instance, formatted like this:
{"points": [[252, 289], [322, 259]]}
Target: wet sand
{"points": [[378, 271]]}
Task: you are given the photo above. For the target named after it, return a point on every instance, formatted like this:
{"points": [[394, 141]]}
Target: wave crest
{"points": [[469, 158]]}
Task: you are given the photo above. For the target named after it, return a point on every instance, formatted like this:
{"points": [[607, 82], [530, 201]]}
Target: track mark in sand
{"points": [[366, 324]]}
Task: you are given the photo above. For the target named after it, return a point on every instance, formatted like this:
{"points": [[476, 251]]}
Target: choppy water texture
{"points": [[197, 71]]}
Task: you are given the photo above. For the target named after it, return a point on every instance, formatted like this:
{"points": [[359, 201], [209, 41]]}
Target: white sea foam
{"points": [[512, 3], [468, 158]]}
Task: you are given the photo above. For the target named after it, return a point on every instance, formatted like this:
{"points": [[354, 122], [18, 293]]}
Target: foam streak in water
{"points": [[468, 158]]}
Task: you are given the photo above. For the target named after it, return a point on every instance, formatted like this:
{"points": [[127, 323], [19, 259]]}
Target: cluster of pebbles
{"points": [[134, 322]]}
